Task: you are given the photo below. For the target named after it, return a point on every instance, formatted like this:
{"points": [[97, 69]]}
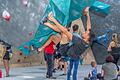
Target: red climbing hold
{"points": [[18, 60], [30, 33], [20, 53], [6, 15], [26, 47]]}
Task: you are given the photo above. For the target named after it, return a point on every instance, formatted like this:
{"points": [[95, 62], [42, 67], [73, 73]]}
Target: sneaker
{"points": [[58, 67], [52, 77], [86, 78], [61, 69], [54, 70], [63, 74], [7, 75], [47, 76]]}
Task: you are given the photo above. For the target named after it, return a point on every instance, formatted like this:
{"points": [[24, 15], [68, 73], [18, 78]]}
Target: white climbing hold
{"points": [[25, 2], [46, 28], [6, 15], [41, 39]]}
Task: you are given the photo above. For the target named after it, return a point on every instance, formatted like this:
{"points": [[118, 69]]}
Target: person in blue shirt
{"points": [[93, 73]]}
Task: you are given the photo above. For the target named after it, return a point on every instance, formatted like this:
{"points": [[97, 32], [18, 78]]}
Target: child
{"points": [[93, 73]]}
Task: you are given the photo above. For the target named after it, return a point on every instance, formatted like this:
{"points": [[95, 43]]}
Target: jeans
{"points": [[75, 63], [50, 64]]}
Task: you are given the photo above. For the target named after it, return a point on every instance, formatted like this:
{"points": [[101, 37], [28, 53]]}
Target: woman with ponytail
{"points": [[113, 48]]}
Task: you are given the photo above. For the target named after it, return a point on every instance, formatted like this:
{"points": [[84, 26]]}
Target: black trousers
{"points": [[116, 57], [50, 64]]}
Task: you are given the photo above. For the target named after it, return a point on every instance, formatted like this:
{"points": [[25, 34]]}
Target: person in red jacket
{"points": [[49, 53]]}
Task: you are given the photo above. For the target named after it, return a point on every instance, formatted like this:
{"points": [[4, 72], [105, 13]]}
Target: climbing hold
{"points": [[26, 47], [25, 2], [6, 15], [18, 60], [10, 55], [41, 39], [20, 53], [30, 33], [25, 57]]}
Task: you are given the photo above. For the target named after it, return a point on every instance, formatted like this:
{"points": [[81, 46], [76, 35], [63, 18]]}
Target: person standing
{"points": [[64, 46], [113, 49], [49, 53], [6, 59]]}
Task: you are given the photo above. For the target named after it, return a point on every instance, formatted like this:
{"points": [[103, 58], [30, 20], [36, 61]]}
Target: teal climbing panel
{"points": [[65, 11]]}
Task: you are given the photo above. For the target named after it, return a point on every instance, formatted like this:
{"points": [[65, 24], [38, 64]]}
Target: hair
{"points": [[115, 39], [93, 63], [8, 47], [109, 59], [92, 35], [75, 27], [68, 29]]}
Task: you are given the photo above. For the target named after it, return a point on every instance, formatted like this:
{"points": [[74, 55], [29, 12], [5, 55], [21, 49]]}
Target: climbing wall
{"points": [[20, 26], [24, 19], [101, 24], [20, 60], [64, 11]]}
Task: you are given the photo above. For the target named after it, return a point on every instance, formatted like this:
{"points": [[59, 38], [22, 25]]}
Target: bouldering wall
{"points": [[100, 25], [25, 18], [20, 60], [24, 21]]}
